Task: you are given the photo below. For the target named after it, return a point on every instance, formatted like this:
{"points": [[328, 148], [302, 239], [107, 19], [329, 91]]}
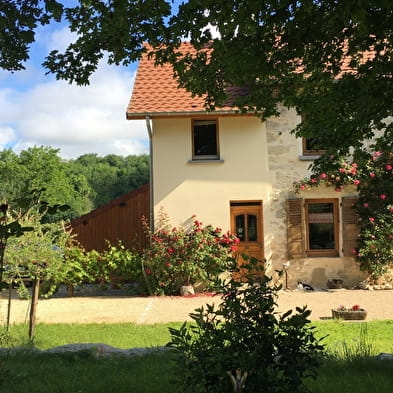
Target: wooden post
{"points": [[33, 307], [9, 305]]}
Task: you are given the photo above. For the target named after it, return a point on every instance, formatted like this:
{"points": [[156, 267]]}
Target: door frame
{"points": [[257, 207]]}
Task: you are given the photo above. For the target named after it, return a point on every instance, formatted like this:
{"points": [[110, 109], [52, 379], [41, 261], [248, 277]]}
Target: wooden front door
{"points": [[247, 223]]}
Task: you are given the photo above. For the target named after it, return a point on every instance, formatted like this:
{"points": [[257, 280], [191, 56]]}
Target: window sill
{"points": [[309, 158], [206, 161]]}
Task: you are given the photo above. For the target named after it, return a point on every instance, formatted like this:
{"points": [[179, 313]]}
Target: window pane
{"points": [[240, 227], [205, 138], [252, 228], [321, 226]]}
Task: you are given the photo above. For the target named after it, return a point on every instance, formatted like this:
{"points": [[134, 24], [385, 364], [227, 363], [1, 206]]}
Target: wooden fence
{"points": [[117, 220]]}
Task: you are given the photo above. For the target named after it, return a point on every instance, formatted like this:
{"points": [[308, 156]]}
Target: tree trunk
{"points": [[33, 307]]}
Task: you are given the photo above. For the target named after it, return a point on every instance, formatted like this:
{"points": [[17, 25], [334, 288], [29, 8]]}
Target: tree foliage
{"points": [[83, 184], [287, 52]]}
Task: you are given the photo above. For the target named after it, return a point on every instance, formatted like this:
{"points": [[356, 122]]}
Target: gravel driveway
{"points": [[148, 310]]}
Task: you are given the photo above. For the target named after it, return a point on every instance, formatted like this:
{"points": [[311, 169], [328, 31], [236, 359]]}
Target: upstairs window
{"points": [[205, 140], [311, 147]]}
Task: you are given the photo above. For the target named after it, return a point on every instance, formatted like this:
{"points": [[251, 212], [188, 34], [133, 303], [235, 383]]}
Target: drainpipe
{"points": [[151, 212]]}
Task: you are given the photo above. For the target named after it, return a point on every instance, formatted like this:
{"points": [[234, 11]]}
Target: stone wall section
{"points": [[287, 165]]}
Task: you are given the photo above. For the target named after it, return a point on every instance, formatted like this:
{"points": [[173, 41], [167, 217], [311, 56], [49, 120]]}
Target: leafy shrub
{"points": [[184, 256], [242, 335], [115, 264]]}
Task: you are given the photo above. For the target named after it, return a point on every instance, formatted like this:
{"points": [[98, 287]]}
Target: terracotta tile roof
{"points": [[156, 93]]}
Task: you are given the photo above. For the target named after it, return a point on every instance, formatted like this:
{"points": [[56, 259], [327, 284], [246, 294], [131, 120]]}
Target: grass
{"points": [[121, 335], [349, 368]]}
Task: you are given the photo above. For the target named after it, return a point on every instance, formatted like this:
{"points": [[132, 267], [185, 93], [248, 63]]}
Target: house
{"points": [[236, 172]]}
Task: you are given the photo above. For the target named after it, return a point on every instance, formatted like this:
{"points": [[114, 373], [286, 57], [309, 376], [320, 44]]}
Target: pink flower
{"points": [[391, 209], [382, 196], [376, 155], [372, 174], [302, 187], [365, 204], [388, 167], [356, 182], [313, 180], [371, 219], [342, 170], [323, 176], [233, 248]]}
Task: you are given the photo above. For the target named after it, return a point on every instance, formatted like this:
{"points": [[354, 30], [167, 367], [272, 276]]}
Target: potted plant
{"points": [[349, 313]]}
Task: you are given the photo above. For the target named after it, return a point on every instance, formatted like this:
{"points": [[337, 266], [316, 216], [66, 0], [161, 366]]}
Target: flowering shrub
{"points": [[355, 307], [178, 256], [372, 175]]}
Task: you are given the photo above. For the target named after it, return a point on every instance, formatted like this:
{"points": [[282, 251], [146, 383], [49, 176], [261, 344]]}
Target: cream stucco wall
{"points": [[259, 161], [184, 188]]}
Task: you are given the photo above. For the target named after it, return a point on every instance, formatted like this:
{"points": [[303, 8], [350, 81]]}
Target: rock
{"points": [[187, 290], [96, 349], [385, 356]]}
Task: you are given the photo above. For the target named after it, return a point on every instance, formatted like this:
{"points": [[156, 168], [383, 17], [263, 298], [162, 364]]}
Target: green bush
{"points": [[115, 265], [245, 336], [186, 256]]}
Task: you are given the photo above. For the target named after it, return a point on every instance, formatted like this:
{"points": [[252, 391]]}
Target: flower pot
{"points": [[350, 315]]}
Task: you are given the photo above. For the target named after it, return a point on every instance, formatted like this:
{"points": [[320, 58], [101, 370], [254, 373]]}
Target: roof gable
{"points": [[156, 93]]}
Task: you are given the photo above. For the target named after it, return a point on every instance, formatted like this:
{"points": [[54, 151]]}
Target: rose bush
{"points": [[372, 175], [185, 256]]}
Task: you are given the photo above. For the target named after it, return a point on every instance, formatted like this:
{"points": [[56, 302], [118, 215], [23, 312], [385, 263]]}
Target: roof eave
{"points": [[143, 115]]}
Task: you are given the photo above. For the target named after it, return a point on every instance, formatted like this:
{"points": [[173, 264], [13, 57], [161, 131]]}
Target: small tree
{"points": [[244, 336]]}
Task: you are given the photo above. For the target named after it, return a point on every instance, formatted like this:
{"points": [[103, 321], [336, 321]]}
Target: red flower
{"points": [[382, 196], [356, 182], [388, 167]]}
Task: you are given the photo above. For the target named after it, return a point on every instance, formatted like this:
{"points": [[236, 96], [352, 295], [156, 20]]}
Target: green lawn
{"points": [[24, 372]]}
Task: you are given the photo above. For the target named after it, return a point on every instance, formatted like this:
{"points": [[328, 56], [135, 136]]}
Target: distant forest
{"points": [[83, 183]]}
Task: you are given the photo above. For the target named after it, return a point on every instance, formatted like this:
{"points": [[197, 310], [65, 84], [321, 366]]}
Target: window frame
{"points": [[310, 152], [206, 157], [336, 222]]}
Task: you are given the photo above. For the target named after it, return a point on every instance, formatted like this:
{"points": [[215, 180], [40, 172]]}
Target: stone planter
{"points": [[350, 315]]}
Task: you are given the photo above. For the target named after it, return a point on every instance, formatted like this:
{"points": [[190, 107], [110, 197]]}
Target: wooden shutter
{"points": [[350, 225], [295, 228]]}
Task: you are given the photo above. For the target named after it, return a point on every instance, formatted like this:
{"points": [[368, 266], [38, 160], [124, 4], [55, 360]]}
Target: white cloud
{"points": [[7, 135], [77, 120]]}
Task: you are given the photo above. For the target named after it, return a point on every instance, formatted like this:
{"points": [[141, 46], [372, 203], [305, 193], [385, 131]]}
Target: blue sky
{"points": [[38, 110]]}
